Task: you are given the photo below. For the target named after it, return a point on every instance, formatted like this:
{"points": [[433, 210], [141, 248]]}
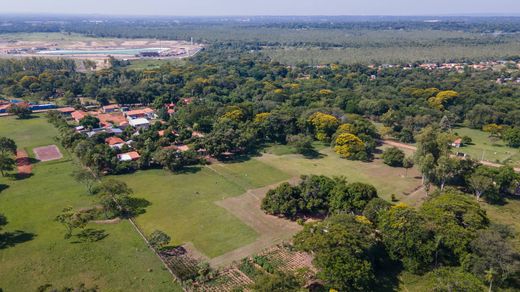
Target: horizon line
{"points": [[262, 15]]}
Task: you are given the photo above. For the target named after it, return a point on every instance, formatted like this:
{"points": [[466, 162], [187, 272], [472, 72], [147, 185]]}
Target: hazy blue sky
{"points": [[264, 7]]}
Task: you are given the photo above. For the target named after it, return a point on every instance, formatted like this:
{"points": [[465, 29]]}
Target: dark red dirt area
{"points": [[23, 163]]}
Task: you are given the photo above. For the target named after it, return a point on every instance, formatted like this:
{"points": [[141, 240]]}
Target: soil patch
{"points": [[272, 229], [23, 163]]}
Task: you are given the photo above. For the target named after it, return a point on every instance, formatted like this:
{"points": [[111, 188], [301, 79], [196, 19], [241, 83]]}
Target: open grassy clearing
{"points": [[42, 36], [37, 254], [391, 54], [386, 179], [183, 205], [484, 148], [150, 64]]}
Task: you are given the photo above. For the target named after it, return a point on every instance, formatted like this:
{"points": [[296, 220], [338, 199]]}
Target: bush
{"points": [[393, 157]]}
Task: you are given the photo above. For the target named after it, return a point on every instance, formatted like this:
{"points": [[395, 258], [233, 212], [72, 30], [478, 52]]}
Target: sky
{"points": [[264, 7]]}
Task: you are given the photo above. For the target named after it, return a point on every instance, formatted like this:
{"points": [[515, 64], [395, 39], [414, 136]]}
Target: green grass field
{"points": [[38, 254], [182, 205], [386, 179], [483, 148]]}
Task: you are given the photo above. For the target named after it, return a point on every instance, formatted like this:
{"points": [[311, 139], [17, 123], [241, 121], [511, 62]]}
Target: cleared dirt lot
{"points": [[272, 229]]}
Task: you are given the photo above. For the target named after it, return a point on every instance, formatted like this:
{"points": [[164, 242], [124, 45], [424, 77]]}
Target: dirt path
{"points": [[413, 148], [23, 163], [272, 229]]}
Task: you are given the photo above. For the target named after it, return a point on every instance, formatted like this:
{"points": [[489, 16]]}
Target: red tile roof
{"points": [[78, 115], [114, 140], [134, 155], [138, 112]]}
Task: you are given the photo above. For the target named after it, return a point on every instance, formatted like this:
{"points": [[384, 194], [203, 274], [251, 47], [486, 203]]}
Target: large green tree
{"points": [[343, 249]]}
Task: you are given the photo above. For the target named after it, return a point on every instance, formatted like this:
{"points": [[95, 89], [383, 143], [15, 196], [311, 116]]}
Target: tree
{"points": [[407, 237], [314, 194], [445, 124], [492, 250], [21, 110], [282, 200], [86, 177], [445, 170], [407, 164], [393, 157], [159, 239], [512, 137], [450, 279], [456, 218], [351, 198], [174, 160], [7, 163], [480, 184], [89, 122], [7, 145], [115, 198], [350, 146], [71, 219], [343, 250], [302, 143], [374, 208], [324, 125]]}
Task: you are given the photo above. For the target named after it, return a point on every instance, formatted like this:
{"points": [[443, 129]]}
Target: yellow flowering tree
{"points": [[348, 145], [324, 125]]}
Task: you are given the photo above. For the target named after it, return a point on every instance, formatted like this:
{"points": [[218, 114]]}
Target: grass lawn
{"points": [[493, 151], [29, 133], [182, 205], [386, 179], [507, 214], [38, 254]]}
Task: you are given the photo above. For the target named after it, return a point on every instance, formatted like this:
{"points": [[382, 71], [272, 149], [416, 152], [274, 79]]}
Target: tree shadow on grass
{"points": [[90, 235], [3, 187], [189, 170], [10, 239], [22, 176], [313, 154], [138, 206]]}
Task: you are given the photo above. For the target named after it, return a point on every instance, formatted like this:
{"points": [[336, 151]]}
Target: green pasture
{"points": [[183, 205], [33, 251], [486, 148]]}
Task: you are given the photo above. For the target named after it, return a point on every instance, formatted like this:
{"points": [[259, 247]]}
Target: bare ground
{"points": [[272, 229]]}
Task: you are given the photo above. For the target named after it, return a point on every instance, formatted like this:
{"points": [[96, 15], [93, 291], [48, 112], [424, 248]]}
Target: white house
{"points": [[140, 123]]}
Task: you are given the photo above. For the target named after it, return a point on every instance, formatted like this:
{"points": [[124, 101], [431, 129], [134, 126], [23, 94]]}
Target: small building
{"points": [[115, 142], [457, 143], [129, 156], [112, 119], [140, 113], [139, 123], [110, 108], [78, 115]]}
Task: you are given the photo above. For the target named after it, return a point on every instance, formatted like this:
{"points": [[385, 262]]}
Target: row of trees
{"points": [[318, 196]]}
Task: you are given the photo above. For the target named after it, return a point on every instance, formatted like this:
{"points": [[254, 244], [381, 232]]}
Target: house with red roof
{"points": [[146, 113], [457, 143], [129, 156], [78, 115], [110, 108], [115, 142]]}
